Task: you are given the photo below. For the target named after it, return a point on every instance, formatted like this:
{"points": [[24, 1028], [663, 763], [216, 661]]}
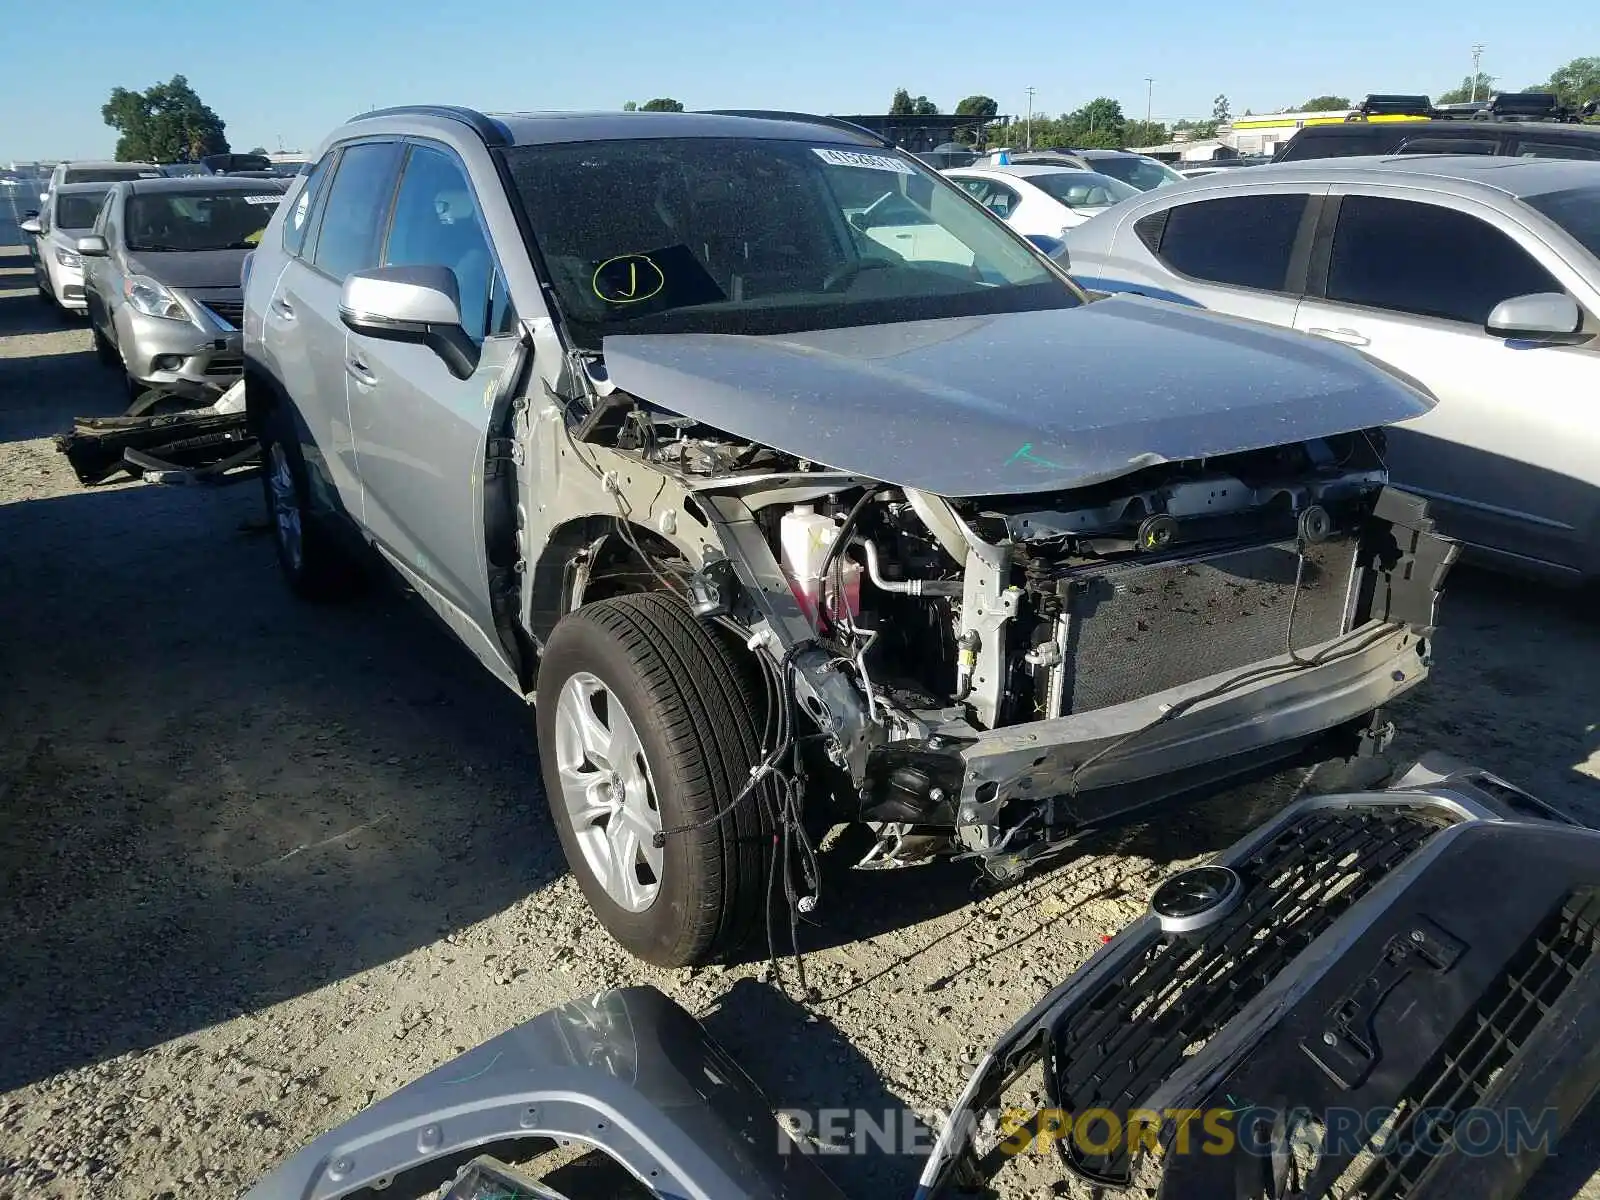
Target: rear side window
{"points": [[357, 209], [1530, 148], [1439, 145], [298, 223], [1340, 142], [1426, 259], [1245, 241]]}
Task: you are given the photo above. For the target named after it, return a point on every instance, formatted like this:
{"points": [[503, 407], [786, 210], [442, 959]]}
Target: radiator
{"points": [[1143, 627]]}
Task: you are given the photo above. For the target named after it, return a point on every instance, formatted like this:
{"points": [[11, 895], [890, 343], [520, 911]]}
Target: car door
{"points": [[419, 431], [1240, 253], [1511, 452], [334, 229], [108, 225]]}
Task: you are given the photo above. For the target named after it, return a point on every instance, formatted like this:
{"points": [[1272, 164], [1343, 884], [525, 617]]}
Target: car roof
{"points": [[78, 189], [103, 164], [545, 128], [1504, 174], [1026, 170], [201, 185]]}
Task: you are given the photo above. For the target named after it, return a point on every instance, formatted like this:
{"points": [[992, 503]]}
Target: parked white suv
{"points": [[1476, 277]]}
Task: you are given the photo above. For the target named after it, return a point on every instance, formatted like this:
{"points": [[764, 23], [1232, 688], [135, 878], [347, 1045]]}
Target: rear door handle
{"points": [[283, 308], [1349, 337], [358, 371]]}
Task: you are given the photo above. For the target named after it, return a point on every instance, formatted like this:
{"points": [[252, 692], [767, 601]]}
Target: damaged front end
{"points": [[1334, 1007], [993, 673]]}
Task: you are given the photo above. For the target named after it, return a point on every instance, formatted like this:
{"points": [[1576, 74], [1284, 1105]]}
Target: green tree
{"points": [[900, 106], [661, 104], [166, 123], [1578, 82], [923, 107], [1325, 103], [630, 106], [1144, 133], [978, 106], [1459, 95], [1220, 113]]}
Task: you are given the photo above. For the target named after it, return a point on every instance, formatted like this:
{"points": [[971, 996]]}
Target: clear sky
{"points": [[292, 69]]}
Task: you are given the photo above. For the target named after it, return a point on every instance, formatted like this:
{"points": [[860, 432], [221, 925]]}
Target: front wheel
{"points": [[649, 721]]}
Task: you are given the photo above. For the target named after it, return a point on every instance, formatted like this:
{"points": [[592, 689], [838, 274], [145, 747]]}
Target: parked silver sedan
{"points": [[53, 234], [1475, 277], [162, 277]]}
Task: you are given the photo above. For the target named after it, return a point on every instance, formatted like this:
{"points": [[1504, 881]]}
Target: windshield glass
{"points": [[77, 210], [1577, 210], [1141, 173], [107, 174], [198, 220], [1082, 189], [730, 235]]}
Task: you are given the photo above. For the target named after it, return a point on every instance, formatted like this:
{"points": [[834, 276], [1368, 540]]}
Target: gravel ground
{"points": [[265, 862]]}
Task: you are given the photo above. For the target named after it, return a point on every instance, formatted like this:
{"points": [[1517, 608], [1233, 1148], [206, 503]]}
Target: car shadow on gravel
{"points": [[808, 1068], [216, 798]]}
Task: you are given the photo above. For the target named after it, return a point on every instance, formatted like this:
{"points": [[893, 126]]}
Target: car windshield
{"points": [[78, 210], [1141, 173], [1577, 210], [188, 221], [734, 235], [107, 174], [1083, 189], [287, 170]]}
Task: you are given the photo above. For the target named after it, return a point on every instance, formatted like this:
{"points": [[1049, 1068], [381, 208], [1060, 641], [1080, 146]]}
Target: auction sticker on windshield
{"points": [[263, 199], [872, 162]]}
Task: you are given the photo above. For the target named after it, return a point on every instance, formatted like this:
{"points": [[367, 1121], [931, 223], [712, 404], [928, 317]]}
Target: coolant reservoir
{"points": [[804, 536]]}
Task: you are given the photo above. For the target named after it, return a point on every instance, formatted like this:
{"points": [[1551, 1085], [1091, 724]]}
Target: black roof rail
{"points": [[808, 118], [493, 132]]}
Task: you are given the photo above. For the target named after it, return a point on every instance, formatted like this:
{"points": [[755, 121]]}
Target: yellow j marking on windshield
{"points": [[628, 279]]}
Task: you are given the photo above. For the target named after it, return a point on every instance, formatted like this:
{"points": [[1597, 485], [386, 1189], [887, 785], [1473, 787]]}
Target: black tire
{"points": [[104, 352], [696, 703], [321, 570]]}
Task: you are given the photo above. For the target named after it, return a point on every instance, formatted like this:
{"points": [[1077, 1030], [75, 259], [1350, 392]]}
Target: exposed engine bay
{"points": [[994, 674]]}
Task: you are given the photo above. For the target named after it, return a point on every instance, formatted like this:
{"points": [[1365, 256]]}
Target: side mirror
{"points": [[91, 245], [1537, 316], [410, 304], [31, 225]]}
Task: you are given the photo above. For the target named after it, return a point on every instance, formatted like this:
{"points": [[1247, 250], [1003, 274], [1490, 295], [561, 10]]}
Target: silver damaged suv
{"points": [[793, 487]]}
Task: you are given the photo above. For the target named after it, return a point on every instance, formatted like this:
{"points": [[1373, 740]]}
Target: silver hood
{"points": [[1016, 402]]}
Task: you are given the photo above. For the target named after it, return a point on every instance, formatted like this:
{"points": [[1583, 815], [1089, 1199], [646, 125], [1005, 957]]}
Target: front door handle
{"points": [[1348, 337], [283, 308], [359, 371]]}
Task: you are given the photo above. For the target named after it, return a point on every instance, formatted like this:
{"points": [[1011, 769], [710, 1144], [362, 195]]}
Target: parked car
{"points": [[1043, 201], [162, 277], [1439, 134], [1136, 170], [68, 213], [97, 172], [743, 498], [1476, 277]]}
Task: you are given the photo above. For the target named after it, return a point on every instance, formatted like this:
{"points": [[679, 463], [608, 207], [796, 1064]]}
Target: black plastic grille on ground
{"points": [[1112, 1050], [1144, 627], [1482, 1044]]}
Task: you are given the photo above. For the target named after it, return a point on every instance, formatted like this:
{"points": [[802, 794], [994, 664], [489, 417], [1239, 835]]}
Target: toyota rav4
{"points": [[778, 473]]}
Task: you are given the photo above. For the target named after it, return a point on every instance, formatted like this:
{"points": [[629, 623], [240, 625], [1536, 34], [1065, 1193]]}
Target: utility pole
{"points": [[1028, 145], [1477, 54], [1149, 92]]}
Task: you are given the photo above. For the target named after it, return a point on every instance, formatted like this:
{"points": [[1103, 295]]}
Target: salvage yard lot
{"points": [[263, 862]]}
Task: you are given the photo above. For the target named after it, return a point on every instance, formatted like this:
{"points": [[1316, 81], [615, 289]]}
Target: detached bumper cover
{"points": [[625, 1071], [1402, 998]]}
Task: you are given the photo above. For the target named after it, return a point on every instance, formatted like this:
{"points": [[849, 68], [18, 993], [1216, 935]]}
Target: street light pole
{"points": [[1477, 54], [1028, 145], [1149, 91]]}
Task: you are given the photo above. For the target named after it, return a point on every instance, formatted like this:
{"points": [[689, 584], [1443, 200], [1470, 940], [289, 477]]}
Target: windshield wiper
{"points": [[158, 249]]}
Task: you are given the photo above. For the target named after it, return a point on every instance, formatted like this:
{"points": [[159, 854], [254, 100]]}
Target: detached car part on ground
{"points": [[1383, 995], [1345, 959], [983, 563]]}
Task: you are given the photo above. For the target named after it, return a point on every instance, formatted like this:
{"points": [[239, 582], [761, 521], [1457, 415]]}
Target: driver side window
{"points": [[436, 223]]}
